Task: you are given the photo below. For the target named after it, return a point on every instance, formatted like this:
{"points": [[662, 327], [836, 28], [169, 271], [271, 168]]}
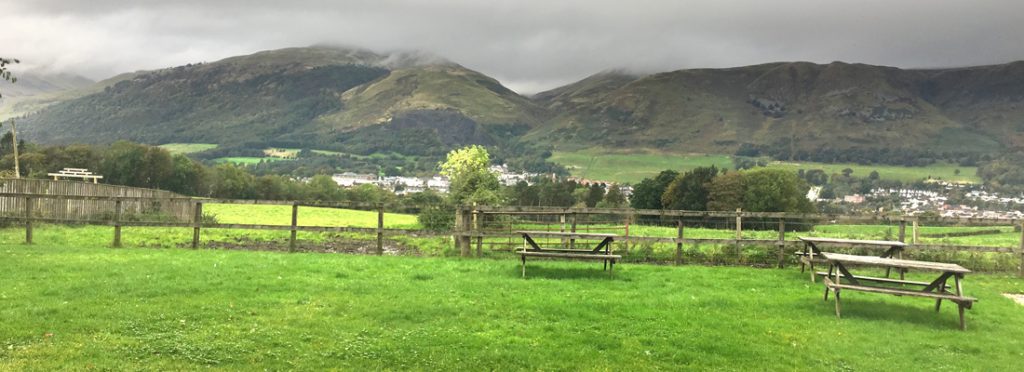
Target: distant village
{"points": [[973, 202], [970, 201]]}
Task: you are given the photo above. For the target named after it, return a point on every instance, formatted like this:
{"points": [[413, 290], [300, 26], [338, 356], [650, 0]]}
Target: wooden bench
{"points": [[602, 251], [936, 289]]}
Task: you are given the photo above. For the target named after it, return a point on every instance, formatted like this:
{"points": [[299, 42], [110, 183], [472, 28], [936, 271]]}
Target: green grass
{"points": [[69, 304], [634, 167], [187, 148], [308, 216], [247, 160]]}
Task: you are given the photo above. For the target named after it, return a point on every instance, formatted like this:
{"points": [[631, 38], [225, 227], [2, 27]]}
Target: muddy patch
{"points": [[1018, 297]]}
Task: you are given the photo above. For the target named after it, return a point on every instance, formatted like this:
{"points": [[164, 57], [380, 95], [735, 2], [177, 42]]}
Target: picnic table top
{"points": [[887, 243], [896, 263], [567, 234]]}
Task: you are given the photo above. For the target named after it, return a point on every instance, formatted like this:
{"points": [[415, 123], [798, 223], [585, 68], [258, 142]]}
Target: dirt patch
{"points": [[336, 245], [1016, 297]]}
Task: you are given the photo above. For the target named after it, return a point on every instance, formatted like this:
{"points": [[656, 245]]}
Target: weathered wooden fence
{"points": [[496, 224], [136, 201], [196, 221], [475, 224]]}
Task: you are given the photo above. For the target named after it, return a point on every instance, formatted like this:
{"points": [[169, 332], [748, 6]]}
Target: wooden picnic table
{"points": [[893, 249], [936, 289], [602, 251]]}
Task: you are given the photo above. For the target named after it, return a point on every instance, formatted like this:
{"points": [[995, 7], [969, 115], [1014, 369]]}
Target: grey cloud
{"points": [[529, 44]]}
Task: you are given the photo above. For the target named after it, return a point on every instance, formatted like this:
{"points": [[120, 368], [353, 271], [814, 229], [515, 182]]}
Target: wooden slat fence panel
{"points": [[161, 205]]}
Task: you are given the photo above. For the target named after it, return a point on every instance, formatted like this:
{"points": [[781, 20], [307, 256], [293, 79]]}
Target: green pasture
{"points": [[187, 148], [308, 216], [248, 160], [634, 167]]}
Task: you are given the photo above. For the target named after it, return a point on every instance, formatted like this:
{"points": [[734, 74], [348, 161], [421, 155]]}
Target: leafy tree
{"points": [[689, 191], [471, 180], [726, 192], [594, 195], [774, 190], [5, 74], [614, 198], [647, 194], [873, 176], [847, 172], [323, 188]]}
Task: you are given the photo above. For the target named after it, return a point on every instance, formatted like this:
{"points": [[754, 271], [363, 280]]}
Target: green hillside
{"points": [[634, 166]]}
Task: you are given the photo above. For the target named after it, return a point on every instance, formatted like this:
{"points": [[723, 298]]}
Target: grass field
{"points": [[308, 216], [187, 148], [247, 160], [84, 306], [634, 167]]}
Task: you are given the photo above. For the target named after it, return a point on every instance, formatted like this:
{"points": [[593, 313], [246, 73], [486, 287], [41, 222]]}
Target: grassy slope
{"points": [[633, 167], [247, 160], [68, 305], [187, 148]]}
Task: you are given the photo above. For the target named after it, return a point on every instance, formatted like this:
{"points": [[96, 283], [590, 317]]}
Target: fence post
{"points": [[117, 223], [477, 216], [679, 242], [380, 230], [629, 218], [295, 224], [739, 234], [28, 220], [1021, 248], [562, 229], [572, 241], [196, 223], [914, 232], [463, 226], [903, 230], [782, 242]]}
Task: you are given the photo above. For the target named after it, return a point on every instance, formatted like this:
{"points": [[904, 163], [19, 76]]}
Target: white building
{"points": [[349, 179]]}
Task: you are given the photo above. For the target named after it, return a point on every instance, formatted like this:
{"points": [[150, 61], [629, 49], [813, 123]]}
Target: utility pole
{"points": [[14, 140]]}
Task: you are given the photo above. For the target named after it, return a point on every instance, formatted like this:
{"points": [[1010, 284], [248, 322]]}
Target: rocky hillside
{"points": [[804, 107], [321, 97], [360, 101]]}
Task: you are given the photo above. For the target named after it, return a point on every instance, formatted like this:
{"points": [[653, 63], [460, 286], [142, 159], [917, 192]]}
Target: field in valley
{"points": [[634, 167]]}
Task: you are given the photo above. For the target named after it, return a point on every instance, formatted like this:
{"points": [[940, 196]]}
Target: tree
{"points": [[647, 194], [594, 195], [689, 191], [726, 192], [847, 172], [873, 175], [5, 73], [470, 179], [614, 198], [775, 190]]}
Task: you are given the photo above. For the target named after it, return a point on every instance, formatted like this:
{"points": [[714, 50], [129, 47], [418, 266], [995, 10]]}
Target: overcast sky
{"points": [[529, 45]]}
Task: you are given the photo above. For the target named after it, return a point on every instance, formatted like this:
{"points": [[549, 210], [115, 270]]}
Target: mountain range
{"points": [[360, 101]]}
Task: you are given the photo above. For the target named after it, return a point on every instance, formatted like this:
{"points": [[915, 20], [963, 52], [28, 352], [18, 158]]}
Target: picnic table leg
{"points": [[830, 268], [524, 266], [837, 293], [960, 305]]}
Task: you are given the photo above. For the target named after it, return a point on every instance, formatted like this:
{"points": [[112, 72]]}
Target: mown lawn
{"points": [[68, 304]]}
